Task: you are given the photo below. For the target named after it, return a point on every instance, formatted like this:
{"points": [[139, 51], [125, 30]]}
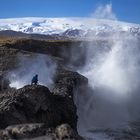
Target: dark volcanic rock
{"points": [[36, 104], [21, 106], [66, 81], [34, 109], [8, 57], [71, 52], [4, 83]]}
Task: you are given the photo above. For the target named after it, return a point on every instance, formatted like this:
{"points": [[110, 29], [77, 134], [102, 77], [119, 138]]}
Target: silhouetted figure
{"points": [[35, 80]]}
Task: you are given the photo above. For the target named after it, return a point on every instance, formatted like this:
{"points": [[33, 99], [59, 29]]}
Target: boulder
{"points": [[36, 104], [38, 131], [23, 131]]}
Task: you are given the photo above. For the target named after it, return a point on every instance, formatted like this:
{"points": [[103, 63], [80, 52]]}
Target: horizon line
{"points": [[80, 17]]}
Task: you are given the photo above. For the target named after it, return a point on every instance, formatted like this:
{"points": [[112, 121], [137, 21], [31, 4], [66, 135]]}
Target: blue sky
{"points": [[125, 10]]}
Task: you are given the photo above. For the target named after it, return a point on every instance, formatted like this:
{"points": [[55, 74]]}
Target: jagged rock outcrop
{"points": [[34, 110], [66, 81], [36, 104]]}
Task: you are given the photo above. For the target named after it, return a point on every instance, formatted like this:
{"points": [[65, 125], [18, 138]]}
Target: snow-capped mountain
{"points": [[81, 27]]}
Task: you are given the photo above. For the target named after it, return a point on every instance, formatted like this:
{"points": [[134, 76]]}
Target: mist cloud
{"points": [[104, 12], [112, 99], [112, 68], [30, 66]]}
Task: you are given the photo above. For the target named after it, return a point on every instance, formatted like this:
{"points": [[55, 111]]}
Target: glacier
{"points": [[49, 26]]}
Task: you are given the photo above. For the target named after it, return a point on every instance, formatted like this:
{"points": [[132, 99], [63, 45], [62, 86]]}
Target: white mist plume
{"points": [[117, 69], [30, 66], [104, 12], [112, 68], [113, 74]]}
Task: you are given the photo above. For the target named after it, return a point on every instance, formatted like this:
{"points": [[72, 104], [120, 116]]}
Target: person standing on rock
{"points": [[34, 80]]}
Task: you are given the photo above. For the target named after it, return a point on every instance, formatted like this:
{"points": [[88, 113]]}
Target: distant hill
{"points": [[15, 34]]}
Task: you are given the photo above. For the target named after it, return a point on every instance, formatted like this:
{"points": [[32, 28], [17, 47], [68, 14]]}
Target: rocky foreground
{"points": [[34, 111]]}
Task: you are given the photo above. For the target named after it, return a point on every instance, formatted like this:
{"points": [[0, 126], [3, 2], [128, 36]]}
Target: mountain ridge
{"points": [[73, 27]]}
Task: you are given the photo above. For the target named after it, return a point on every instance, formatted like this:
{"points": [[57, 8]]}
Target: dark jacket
{"points": [[35, 79]]}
